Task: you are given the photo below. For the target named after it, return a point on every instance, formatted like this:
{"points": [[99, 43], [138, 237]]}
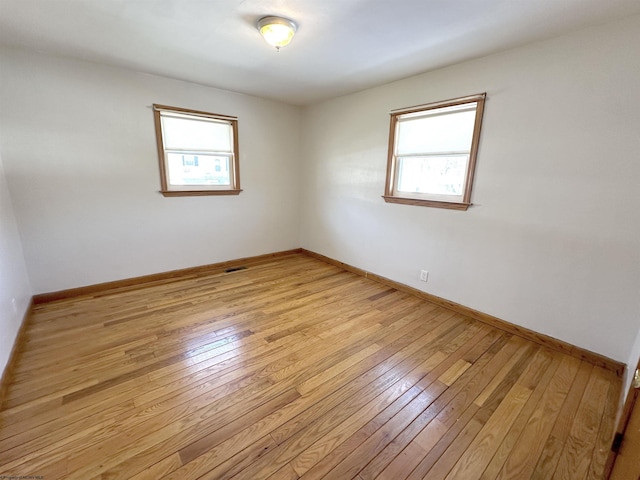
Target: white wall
{"points": [[632, 362], [79, 149], [552, 242], [15, 291]]}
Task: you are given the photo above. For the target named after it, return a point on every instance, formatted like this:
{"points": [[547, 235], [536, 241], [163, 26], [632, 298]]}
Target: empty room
{"points": [[304, 239]]}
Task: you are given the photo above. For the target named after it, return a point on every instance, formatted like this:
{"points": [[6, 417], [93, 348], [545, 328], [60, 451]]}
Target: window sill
{"points": [[196, 193], [427, 203]]}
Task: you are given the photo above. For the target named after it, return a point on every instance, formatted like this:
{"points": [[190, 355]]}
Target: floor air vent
{"points": [[235, 269]]}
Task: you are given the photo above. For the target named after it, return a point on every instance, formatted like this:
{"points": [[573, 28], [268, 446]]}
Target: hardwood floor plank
{"points": [[159, 469], [122, 462], [44, 439], [173, 440], [407, 460], [139, 372], [293, 368], [375, 442], [607, 427], [241, 440], [527, 450], [466, 425], [448, 450], [486, 444], [228, 467], [470, 353], [296, 444], [306, 459], [344, 450], [167, 367], [477, 456], [578, 449], [552, 450], [546, 364], [405, 362], [425, 429], [285, 473], [317, 380]]}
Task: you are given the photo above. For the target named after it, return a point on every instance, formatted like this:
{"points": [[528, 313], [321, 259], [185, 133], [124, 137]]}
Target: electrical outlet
{"points": [[424, 275]]}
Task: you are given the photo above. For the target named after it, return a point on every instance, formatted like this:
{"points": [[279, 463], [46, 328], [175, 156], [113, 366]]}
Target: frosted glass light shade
{"points": [[277, 31]]}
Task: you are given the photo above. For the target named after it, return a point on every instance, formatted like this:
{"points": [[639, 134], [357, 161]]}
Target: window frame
{"points": [[392, 195], [234, 161]]}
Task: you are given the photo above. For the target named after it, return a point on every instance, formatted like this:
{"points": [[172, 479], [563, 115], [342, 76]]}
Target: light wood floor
{"points": [[289, 369]]}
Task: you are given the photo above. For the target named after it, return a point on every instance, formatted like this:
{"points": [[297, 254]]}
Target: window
{"points": [[198, 152], [432, 153]]}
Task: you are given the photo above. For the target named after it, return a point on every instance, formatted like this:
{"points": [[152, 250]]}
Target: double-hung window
{"points": [[198, 152], [432, 153]]}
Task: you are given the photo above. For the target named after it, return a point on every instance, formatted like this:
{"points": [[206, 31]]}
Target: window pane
{"points": [[436, 133], [198, 169], [196, 134], [437, 175]]}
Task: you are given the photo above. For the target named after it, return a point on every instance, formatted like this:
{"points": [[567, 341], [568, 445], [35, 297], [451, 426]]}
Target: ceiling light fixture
{"points": [[277, 31]]}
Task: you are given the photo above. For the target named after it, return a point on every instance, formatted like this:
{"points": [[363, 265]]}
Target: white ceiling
{"points": [[341, 46]]}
